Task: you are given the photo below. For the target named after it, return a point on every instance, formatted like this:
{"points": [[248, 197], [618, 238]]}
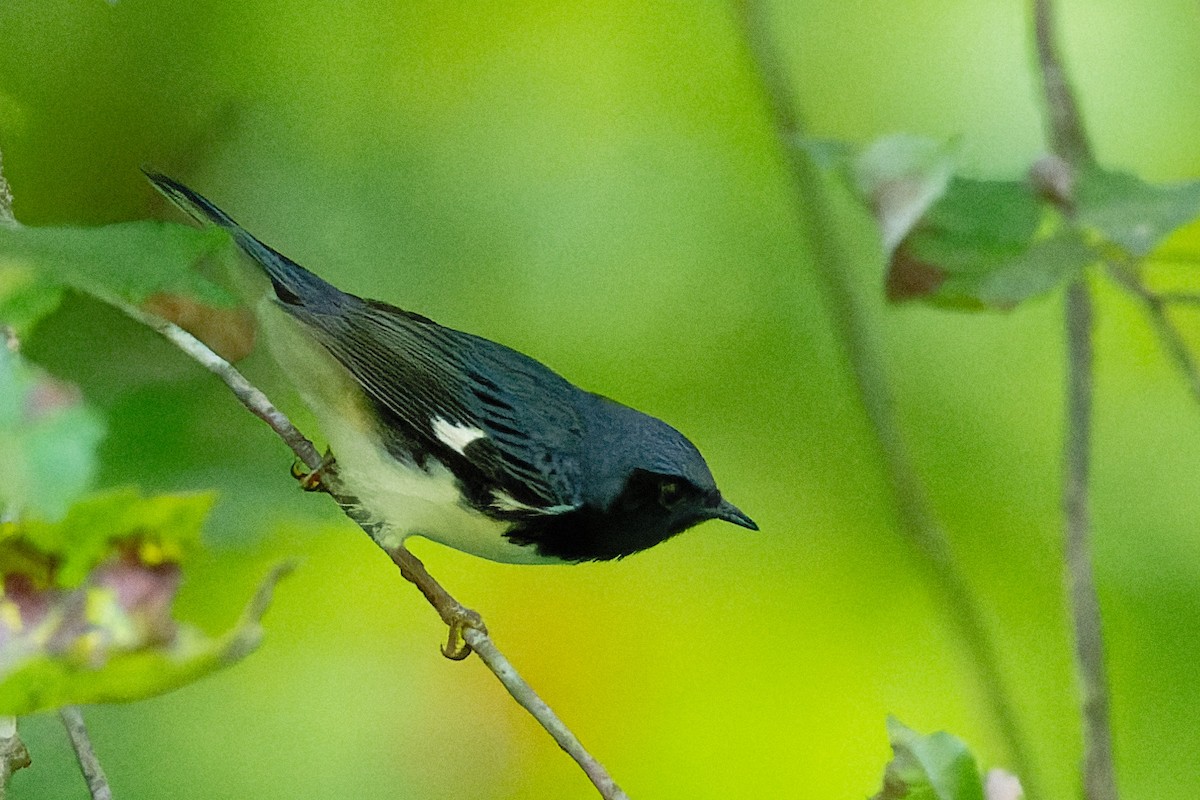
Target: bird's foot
{"points": [[459, 618], [311, 481]]}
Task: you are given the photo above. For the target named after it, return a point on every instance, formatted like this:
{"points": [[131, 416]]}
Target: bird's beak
{"points": [[731, 513]]}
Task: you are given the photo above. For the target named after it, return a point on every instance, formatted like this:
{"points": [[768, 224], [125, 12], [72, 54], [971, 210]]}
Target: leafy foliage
{"points": [[933, 767], [87, 585], [968, 243], [1131, 213], [133, 260], [85, 612]]}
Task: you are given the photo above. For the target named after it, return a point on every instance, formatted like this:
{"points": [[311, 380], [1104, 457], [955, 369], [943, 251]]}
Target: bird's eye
{"points": [[670, 493]]}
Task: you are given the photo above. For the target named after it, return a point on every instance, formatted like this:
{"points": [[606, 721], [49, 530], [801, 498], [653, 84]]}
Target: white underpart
{"points": [[412, 501], [504, 501], [455, 436], [417, 502]]}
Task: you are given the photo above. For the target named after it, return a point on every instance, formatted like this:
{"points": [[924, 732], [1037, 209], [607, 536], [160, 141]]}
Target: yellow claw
{"points": [[310, 481]]}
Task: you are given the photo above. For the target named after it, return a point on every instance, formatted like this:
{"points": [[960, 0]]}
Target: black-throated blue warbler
{"points": [[464, 441]]}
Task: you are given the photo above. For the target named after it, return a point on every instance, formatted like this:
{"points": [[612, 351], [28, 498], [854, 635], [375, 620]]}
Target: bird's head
{"points": [[649, 476]]}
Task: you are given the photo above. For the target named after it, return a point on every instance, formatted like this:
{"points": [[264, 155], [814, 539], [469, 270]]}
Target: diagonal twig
{"points": [[1167, 331], [93, 773]]}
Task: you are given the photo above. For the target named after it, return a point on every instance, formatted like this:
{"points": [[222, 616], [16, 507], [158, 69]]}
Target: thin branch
{"points": [[918, 523], [6, 200], [1098, 775], [462, 621], [249, 395], [97, 783], [1069, 140], [13, 755], [1065, 129], [1176, 298], [524, 694], [1168, 333]]}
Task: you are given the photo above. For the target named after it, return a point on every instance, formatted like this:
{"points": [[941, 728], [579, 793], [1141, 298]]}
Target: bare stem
{"points": [[97, 782], [13, 755], [249, 395], [1065, 129], [6, 199], [1098, 775], [462, 621], [1168, 333], [918, 524], [1069, 140]]}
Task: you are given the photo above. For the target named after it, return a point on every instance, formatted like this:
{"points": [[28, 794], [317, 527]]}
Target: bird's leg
{"points": [[311, 481], [457, 616]]}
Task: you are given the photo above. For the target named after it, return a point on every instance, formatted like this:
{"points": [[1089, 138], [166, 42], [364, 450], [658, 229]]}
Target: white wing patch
{"points": [[504, 501], [456, 437]]}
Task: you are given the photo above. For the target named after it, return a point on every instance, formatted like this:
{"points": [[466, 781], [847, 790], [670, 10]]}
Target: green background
{"points": [[597, 184]]}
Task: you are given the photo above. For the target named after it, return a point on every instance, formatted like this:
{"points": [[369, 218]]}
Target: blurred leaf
{"points": [[48, 440], [164, 527], [86, 607], [25, 298], [230, 332], [1132, 213], [933, 767], [900, 177], [956, 241], [132, 259], [991, 244], [985, 275], [980, 245]]}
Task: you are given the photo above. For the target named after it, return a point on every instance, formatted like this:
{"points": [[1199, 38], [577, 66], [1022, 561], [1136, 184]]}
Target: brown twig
{"points": [[918, 523], [13, 755], [1069, 140], [1064, 124], [97, 782], [1168, 333], [6, 200]]}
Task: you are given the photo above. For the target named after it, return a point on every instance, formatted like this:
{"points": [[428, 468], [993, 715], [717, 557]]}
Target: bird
{"points": [[449, 436]]}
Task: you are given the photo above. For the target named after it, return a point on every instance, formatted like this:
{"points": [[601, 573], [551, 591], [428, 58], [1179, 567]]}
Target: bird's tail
{"points": [[294, 285]]}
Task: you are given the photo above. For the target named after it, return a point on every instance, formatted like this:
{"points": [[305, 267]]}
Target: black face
{"points": [[650, 509]]}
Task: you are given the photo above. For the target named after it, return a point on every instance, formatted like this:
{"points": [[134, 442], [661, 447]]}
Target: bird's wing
{"points": [[504, 413]]}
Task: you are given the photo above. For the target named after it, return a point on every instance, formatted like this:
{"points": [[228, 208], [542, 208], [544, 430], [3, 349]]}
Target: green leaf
{"points": [[86, 606], [933, 767], [48, 440], [956, 241], [131, 259], [986, 244], [1132, 213]]}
